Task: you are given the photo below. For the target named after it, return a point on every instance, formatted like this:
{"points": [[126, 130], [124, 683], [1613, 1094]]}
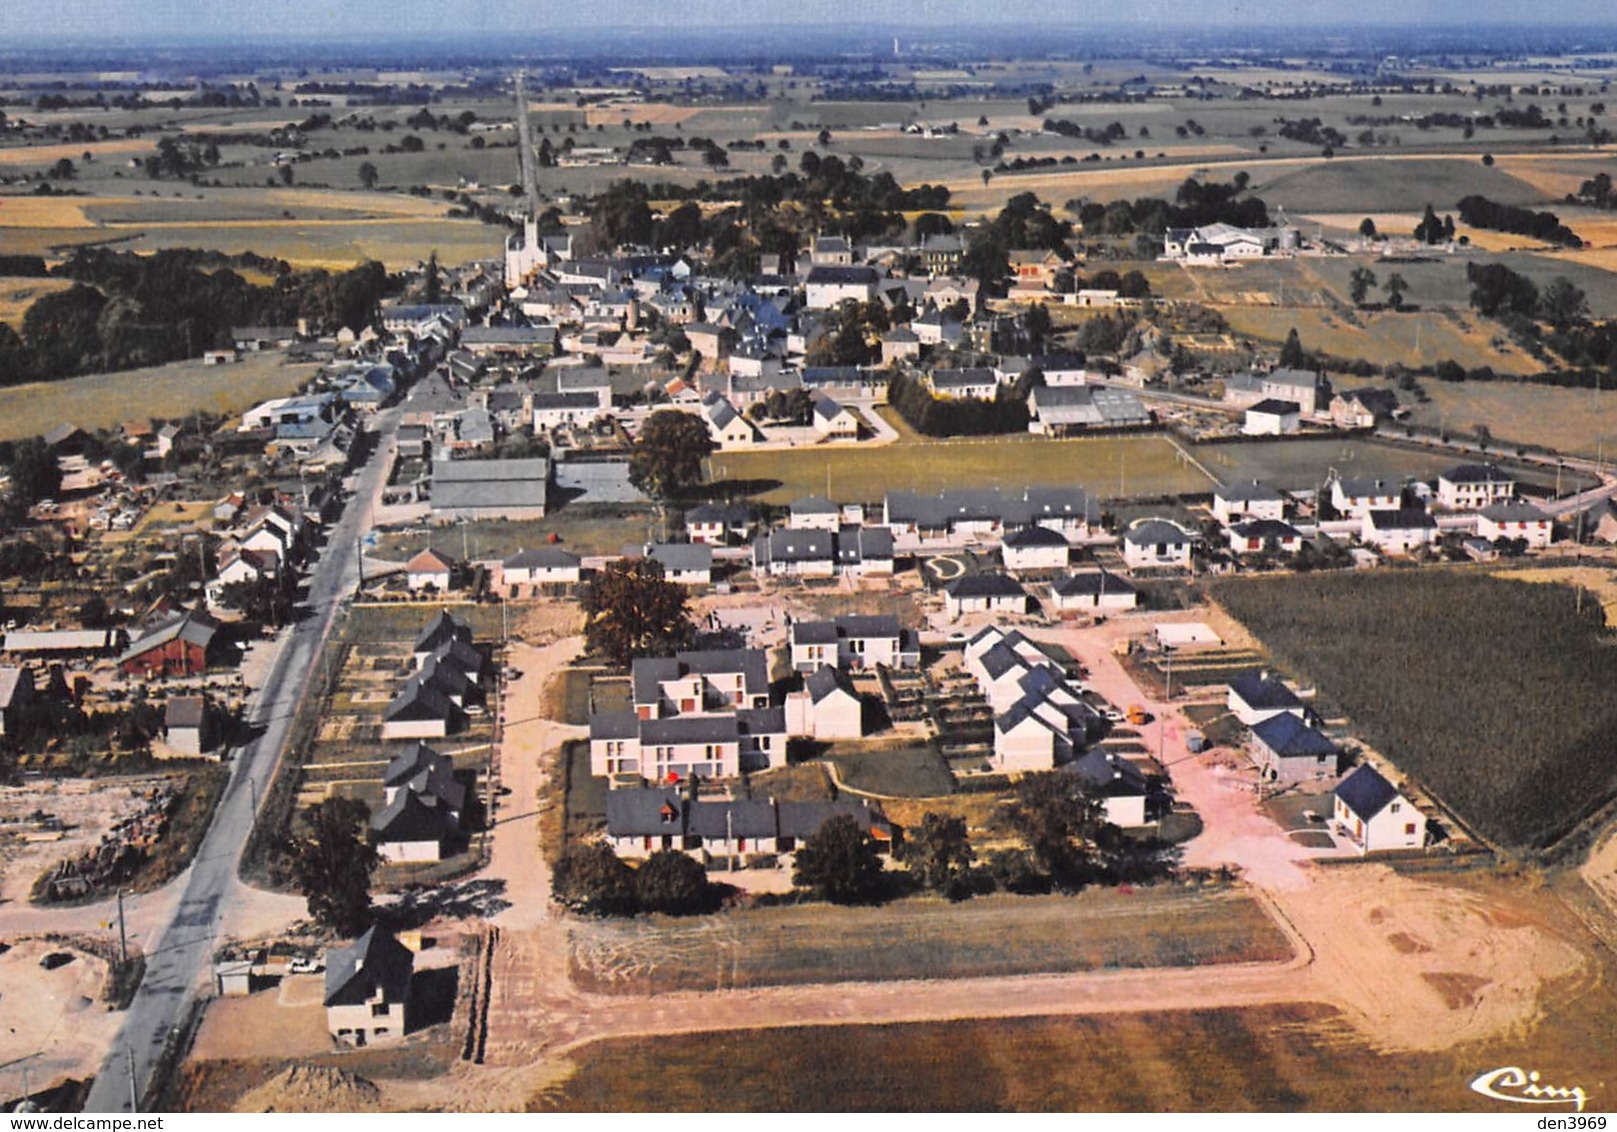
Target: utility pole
{"points": [[123, 933]]}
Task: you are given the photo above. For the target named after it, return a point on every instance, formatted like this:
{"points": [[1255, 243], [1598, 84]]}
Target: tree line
{"points": [[1480, 212], [126, 310], [967, 416]]}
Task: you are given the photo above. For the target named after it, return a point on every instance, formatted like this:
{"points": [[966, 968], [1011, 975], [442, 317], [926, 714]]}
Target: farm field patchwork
{"points": [[1415, 661], [924, 938], [1382, 338]]}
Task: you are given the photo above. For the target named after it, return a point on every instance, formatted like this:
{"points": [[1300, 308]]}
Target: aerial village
{"points": [[533, 531]]}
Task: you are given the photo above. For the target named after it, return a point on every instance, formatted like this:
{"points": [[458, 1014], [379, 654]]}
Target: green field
{"points": [[1110, 467], [1296, 465], [172, 391], [1372, 185], [1493, 694], [924, 939]]}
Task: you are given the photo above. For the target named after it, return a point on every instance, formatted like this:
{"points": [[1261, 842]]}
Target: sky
{"points": [[157, 20]]}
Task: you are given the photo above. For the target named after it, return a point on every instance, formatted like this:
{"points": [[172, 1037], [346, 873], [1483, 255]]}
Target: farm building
{"points": [[1371, 812], [180, 646], [1272, 417], [16, 693], [489, 489], [367, 995], [189, 725]]}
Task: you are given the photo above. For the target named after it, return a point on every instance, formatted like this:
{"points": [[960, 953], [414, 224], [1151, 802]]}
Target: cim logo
{"points": [[1518, 1086]]}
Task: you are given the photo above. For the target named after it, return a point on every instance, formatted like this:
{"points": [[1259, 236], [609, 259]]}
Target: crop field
{"points": [[1109, 467], [1474, 656], [170, 391], [923, 939], [1286, 1058]]}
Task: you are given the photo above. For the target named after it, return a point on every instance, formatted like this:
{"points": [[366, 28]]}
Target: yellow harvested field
{"points": [[18, 294], [51, 154], [171, 391], [1596, 228], [47, 212]]}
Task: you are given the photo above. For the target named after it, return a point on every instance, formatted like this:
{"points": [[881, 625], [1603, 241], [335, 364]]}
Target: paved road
{"points": [[176, 967]]}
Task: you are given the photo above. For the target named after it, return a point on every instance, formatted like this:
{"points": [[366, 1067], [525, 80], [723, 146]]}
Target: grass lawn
{"points": [[170, 391], [1410, 338], [1171, 926], [399, 624], [1107, 466], [582, 530], [1441, 669], [906, 772]]}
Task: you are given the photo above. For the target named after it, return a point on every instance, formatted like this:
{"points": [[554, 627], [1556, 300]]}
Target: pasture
{"points": [[1383, 338], [172, 391], [1455, 719], [17, 294]]}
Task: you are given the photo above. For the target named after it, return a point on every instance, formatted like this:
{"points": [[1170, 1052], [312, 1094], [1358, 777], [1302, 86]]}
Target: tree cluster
{"points": [[936, 416], [592, 879], [332, 861], [666, 460], [1480, 212], [631, 610]]}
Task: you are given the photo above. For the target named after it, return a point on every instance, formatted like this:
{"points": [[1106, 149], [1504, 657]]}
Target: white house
{"points": [[1094, 591], [1399, 532], [1025, 740], [828, 286], [984, 593], [1471, 487], [826, 708], [541, 566], [1035, 548], [1256, 696], [834, 420], [1157, 543], [813, 512], [1247, 499], [727, 427], [974, 381], [1272, 417], [853, 642], [367, 994], [430, 568], [1120, 782], [1371, 812], [1516, 519], [1256, 536], [1286, 750], [1356, 497]]}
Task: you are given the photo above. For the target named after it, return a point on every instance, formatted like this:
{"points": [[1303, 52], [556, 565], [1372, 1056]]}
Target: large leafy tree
{"points": [[591, 878], [668, 454], [1359, 285], [839, 863], [671, 882], [631, 609], [1061, 820], [332, 863], [939, 855]]}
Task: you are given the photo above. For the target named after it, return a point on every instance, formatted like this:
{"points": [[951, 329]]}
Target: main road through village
{"points": [[184, 950]]}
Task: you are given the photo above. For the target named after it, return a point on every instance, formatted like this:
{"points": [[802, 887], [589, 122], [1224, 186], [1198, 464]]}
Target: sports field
{"points": [[1108, 467]]}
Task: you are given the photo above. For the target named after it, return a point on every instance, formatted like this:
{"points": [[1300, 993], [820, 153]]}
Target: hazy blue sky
{"points": [[300, 19]]}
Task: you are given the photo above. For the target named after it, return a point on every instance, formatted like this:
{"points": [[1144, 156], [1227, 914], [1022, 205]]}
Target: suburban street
{"points": [[182, 958]]}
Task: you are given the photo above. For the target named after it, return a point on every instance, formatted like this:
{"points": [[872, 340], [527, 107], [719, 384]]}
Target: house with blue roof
{"points": [[1374, 815]]}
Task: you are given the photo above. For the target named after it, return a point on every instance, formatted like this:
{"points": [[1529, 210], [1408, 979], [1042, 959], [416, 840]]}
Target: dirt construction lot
{"points": [[54, 1020], [86, 808]]}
